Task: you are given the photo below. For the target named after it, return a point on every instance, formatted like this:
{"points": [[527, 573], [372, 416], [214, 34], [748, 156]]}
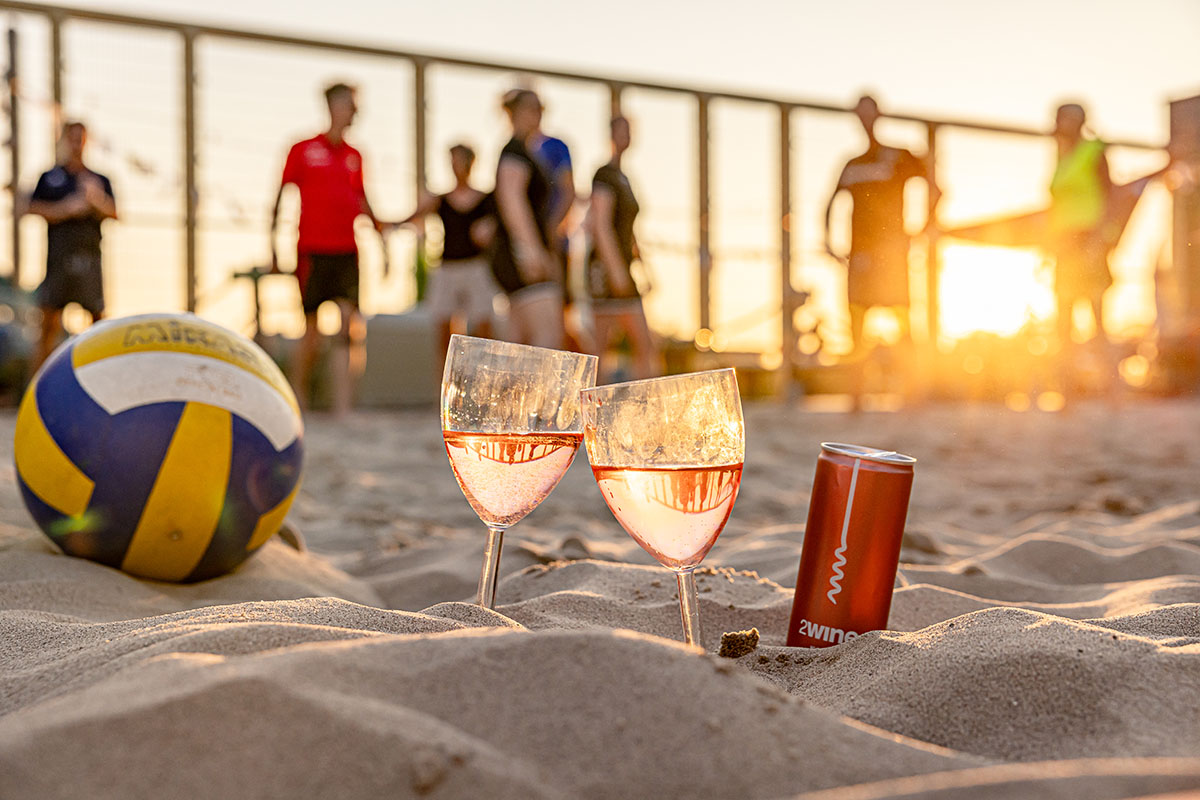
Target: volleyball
{"points": [[163, 445]]}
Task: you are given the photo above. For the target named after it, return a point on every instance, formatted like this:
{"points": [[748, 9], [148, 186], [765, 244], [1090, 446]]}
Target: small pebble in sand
{"points": [[736, 644]]}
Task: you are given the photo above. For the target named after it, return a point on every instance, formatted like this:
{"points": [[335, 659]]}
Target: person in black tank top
{"points": [[521, 259], [616, 301], [462, 287], [459, 243]]}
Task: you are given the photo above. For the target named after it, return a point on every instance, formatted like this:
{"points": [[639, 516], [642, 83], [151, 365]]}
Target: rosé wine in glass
{"points": [[667, 455], [674, 513], [505, 475], [512, 424]]}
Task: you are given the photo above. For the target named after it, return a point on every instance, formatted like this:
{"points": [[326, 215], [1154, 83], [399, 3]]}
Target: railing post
{"points": [[189, 164], [705, 253], [420, 164], [56, 75], [419, 127], [14, 154], [933, 263], [787, 296], [614, 95]]}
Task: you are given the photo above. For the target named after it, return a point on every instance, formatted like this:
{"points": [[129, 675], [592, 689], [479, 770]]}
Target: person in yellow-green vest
{"points": [[1079, 194]]}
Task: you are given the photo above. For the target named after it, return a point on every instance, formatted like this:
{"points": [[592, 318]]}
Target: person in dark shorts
{"points": [[521, 259], [329, 174], [74, 201], [616, 301], [463, 284], [877, 267]]}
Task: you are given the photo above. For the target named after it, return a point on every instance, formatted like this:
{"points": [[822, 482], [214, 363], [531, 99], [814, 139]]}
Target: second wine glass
{"points": [[512, 425], [667, 454]]}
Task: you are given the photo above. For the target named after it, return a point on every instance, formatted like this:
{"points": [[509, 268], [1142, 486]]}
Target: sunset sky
{"points": [[1007, 63]]}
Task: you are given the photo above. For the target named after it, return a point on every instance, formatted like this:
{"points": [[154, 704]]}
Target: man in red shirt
{"points": [[329, 174]]}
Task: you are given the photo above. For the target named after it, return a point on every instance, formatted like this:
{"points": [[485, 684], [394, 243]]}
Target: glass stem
{"points": [[689, 607], [491, 568]]}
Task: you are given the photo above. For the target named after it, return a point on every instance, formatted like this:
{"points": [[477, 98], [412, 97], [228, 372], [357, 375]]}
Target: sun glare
{"points": [[992, 289]]}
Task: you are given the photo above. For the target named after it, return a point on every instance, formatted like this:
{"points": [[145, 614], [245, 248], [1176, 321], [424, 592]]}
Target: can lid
{"points": [[868, 453]]}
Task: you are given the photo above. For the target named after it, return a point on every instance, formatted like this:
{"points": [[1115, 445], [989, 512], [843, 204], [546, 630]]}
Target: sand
{"points": [[1044, 639]]}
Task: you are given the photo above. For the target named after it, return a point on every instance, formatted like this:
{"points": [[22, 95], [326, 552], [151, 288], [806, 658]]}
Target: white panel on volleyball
{"points": [[127, 381]]}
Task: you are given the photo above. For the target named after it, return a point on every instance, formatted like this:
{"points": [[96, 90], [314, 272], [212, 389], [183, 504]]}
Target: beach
{"points": [[1044, 638]]}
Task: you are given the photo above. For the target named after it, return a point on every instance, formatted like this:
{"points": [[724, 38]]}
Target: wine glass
{"points": [[667, 454], [511, 424]]}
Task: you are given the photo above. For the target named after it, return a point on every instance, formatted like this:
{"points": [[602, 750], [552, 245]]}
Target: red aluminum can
{"points": [[851, 544]]}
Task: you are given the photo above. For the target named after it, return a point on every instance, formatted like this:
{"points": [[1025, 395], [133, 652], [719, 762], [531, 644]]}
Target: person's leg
{"points": [[1065, 321], [479, 299], [1067, 350], [444, 330], [1108, 355], [604, 324], [579, 336], [858, 354], [51, 331], [647, 360], [91, 289], [907, 376], [858, 316], [542, 316], [306, 356], [440, 302], [349, 356]]}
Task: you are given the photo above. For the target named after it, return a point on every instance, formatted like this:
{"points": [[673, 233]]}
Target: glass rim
{"points": [[516, 346], [659, 379]]}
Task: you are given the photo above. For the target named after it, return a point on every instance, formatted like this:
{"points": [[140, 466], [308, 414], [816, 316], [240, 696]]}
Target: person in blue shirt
{"points": [[555, 158], [74, 201], [520, 255]]}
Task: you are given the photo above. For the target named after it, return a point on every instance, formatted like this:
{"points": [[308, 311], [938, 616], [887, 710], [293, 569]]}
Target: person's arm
{"points": [[364, 205], [1103, 173], [605, 238], [483, 230], [829, 212], [512, 180], [98, 193], [70, 207], [427, 204], [365, 210], [565, 181], [926, 170], [275, 227], [291, 174]]}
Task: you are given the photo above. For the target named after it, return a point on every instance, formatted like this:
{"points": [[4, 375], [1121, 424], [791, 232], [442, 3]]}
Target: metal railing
{"points": [[190, 33]]}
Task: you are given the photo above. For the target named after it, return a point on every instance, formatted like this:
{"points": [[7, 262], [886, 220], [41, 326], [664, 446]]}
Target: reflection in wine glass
{"points": [[667, 454], [512, 425]]}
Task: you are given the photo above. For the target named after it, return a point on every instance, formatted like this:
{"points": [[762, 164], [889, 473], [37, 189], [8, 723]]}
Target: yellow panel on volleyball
{"points": [[185, 505], [170, 333], [43, 465]]}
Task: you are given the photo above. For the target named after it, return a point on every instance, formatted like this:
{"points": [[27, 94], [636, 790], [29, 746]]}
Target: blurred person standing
{"points": [[74, 200], [555, 158], [521, 259], [462, 285], [877, 265], [329, 174], [1079, 195], [616, 301]]}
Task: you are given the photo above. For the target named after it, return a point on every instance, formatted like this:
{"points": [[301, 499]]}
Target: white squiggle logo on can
{"points": [[835, 580]]}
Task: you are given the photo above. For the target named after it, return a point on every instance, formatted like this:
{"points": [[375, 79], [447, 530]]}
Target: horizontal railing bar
{"points": [[92, 15]]}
